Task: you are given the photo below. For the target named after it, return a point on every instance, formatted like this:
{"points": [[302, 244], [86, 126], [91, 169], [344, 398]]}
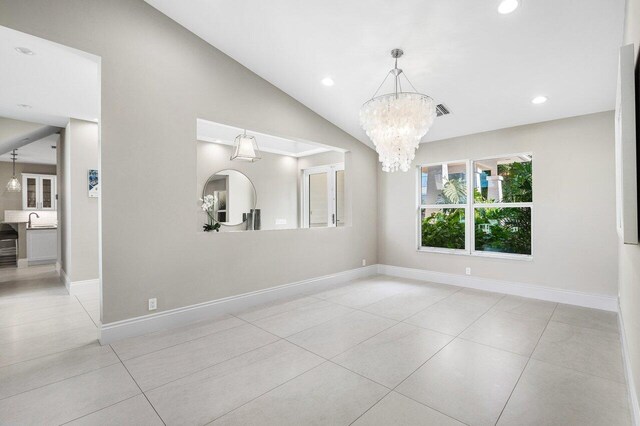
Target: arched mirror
{"points": [[233, 194]]}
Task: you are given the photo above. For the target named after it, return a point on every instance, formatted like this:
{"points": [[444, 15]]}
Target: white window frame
{"points": [[331, 171], [469, 208], [421, 206]]}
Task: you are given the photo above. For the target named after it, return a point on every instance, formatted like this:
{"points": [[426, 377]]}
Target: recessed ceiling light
{"points": [[539, 100], [25, 50], [327, 81], [24, 106], [508, 6]]}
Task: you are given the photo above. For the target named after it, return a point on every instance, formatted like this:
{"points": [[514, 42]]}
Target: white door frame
{"points": [[330, 170]]}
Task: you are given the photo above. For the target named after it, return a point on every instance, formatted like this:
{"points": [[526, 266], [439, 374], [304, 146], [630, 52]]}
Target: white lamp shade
{"points": [[246, 148]]}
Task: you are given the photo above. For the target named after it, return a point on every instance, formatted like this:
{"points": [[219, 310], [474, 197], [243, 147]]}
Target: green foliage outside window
{"points": [[503, 230], [497, 229], [444, 229], [517, 186]]}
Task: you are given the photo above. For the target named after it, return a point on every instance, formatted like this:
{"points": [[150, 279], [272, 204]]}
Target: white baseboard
{"points": [[598, 301], [79, 287], [181, 316], [65, 278], [83, 287], [23, 263], [631, 387]]}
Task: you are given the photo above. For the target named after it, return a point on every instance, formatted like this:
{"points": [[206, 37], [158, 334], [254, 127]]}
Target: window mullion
{"points": [[470, 211]]}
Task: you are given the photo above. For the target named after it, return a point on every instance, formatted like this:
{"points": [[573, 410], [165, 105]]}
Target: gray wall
{"points": [[574, 236], [157, 78], [81, 212], [61, 188], [629, 255]]}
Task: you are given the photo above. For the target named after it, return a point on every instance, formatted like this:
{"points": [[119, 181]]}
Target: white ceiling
{"points": [[210, 131], [484, 66], [38, 152], [58, 82]]}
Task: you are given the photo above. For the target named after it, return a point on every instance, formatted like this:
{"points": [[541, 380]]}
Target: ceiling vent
{"points": [[441, 110]]}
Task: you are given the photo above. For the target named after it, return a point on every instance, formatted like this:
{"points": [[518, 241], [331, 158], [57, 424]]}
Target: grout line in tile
{"points": [[52, 353], [103, 408], [624, 383], [330, 359], [87, 312], [428, 406], [141, 391], [617, 333], [48, 318], [209, 366], [525, 366], [285, 300], [368, 409], [432, 356], [70, 327], [492, 347], [66, 378], [361, 309], [181, 343], [266, 392]]}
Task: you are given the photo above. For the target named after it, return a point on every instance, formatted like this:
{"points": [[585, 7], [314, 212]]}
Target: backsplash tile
{"points": [[46, 217]]}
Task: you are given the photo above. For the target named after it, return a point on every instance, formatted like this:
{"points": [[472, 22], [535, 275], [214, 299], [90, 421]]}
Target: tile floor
{"points": [[376, 351]]}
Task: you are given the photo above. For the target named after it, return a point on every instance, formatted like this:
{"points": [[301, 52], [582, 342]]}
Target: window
{"points": [[496, 220], [443, 206]]}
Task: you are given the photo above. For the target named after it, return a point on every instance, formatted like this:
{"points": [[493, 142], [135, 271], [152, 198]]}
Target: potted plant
{"points": [[208, 203]]}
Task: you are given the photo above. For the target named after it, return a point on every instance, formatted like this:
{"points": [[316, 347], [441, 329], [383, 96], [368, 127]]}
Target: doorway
{"points": [[323, 196]]}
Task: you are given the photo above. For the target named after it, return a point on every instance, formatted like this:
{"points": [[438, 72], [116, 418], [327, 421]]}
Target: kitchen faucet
{"points": [[38, 216]]}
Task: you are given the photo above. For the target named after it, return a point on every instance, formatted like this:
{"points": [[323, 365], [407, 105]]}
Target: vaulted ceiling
{"points": [[485, 66]]}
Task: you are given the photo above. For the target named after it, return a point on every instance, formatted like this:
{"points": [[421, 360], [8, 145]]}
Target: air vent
{"points": [[441, 110]]}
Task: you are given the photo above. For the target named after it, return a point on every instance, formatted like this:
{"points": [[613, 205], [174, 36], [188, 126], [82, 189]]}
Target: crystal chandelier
{"points": [[14, 184], [397, 121]]}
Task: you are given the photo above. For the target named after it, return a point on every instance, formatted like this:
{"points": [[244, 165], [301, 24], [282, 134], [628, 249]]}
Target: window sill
{"points": [[494, 255]]}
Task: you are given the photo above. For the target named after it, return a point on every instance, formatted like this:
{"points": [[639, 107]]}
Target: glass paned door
{"points": [[318, 200], [32, 193], [340, 219], [47, 194], [323, 196]]}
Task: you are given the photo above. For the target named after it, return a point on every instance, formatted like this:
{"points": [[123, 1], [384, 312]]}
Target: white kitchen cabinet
{"points": [[42, 245], [38, 192]]}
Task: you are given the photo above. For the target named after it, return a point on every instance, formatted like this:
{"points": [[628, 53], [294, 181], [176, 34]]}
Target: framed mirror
{"points": [[234, 194]]}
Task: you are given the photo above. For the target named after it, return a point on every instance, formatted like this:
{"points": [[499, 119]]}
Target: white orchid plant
{"points": [[208, 203]]}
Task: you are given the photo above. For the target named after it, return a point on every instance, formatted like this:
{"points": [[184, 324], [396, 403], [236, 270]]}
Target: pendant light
{"points": [[14, 184], [396, 122], [246, 148]]}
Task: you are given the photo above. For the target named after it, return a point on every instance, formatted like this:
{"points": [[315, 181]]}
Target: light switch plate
{"points": [[153, 304]]}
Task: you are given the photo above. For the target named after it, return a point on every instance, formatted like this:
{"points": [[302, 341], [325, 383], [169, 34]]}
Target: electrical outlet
{"points": [[364, 262], [153, 304], [468, 271]]}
